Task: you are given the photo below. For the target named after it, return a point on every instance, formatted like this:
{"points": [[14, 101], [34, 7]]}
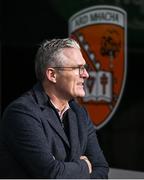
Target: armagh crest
{"points": [[101, 33]]}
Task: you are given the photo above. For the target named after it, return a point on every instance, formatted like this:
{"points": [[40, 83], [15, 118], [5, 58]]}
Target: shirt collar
{"points": [[61, 112]]}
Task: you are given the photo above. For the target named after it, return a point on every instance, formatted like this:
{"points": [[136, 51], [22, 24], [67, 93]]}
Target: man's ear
{"points": [[51, 75]]}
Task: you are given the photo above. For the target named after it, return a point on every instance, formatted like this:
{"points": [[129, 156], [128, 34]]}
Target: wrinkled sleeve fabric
{"points": [[100, 167], [24, 136]]}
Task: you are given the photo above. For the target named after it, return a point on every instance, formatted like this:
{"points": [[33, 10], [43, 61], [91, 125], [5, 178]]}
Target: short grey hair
{"points": [[48, 54]]}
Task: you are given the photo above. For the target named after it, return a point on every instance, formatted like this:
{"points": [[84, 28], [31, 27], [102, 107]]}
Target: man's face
{"points": [[70, 82]]}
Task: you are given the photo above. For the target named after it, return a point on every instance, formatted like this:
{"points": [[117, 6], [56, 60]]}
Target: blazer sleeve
{"points": [[25, 138], [100, 167]]}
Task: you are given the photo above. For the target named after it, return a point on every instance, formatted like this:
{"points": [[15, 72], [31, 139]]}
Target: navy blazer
{"points": [[33, 143]]}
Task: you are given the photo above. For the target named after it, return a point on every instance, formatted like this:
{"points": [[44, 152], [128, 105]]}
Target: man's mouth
{"points": [[81, 84]]}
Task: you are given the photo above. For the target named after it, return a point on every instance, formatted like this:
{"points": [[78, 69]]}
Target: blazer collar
{"points": [[40, 96], [51, 115], [53, 120], [49, 112]]}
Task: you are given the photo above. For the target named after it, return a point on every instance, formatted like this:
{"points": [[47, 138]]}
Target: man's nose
{"points": [[85, 74]]}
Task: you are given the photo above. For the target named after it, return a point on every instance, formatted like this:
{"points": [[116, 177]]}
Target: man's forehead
{"points": [[74, 55], [72, 52]]}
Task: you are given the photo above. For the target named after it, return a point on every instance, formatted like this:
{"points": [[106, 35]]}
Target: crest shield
{"points": [[101, 33]]}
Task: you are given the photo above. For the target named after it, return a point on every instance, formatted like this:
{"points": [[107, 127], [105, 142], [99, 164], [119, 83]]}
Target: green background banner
{"points": [[134, 9]]}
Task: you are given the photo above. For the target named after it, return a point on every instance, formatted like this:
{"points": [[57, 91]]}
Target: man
{"points": [[45, 133]]}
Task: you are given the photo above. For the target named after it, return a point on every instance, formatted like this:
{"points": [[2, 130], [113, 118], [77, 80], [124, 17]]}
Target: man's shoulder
{"points": [[25, 99], [21, 103]]}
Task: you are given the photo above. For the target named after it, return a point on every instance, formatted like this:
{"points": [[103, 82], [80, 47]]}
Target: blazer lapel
{"points": [[47, 112], [53, 120], [80, 124], [74, 137]]}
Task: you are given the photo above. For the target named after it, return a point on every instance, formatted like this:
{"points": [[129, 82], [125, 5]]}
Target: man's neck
{"points": [[58, 102], [61, 110]]}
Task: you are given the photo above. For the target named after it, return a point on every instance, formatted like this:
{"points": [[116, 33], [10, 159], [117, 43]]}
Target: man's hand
{"points": [[88, 162]]}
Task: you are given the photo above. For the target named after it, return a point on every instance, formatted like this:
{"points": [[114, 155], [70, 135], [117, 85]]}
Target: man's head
{"points": [[48, 54], [61, 64]]}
